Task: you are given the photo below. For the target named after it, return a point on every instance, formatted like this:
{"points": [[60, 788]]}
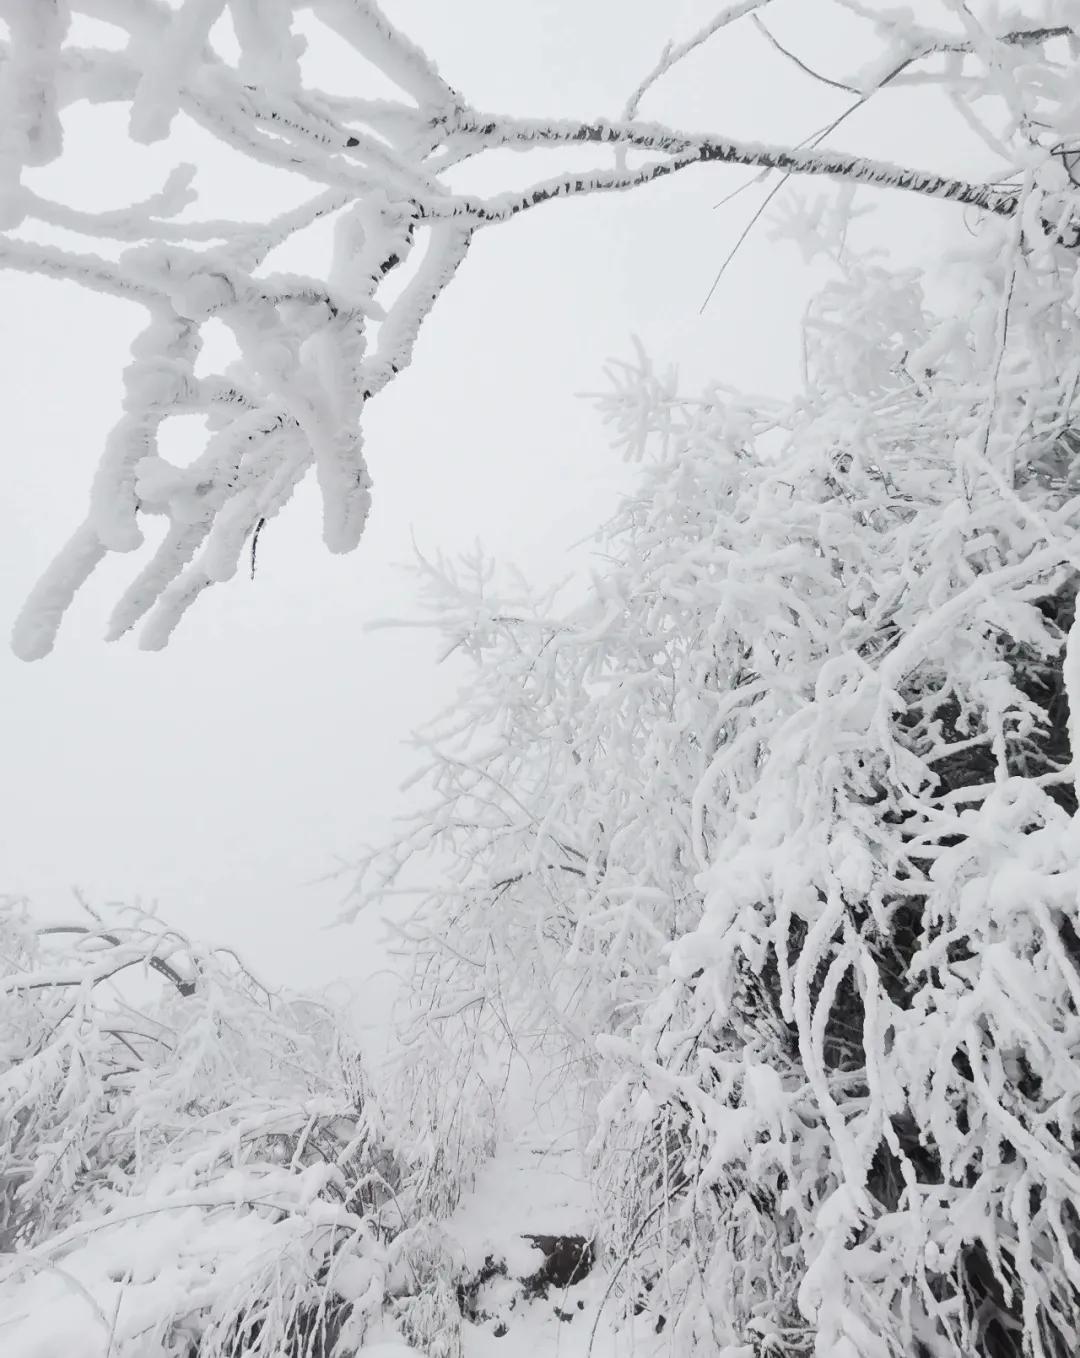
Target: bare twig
{"points": [[759, 24]]}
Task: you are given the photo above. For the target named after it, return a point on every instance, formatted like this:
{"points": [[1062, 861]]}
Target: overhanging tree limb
{"points": [[314, 351]]}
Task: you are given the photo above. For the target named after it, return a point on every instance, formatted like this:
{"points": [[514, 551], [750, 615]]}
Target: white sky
{"points": [[224, 775]]}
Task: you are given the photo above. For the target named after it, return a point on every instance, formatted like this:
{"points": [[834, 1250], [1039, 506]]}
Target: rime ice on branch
{"points": [[314, 351]]}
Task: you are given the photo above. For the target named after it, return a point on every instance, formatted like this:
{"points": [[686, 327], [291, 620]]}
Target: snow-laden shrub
{"points": [[190, 1165], [424, 1275], [770, 842]]}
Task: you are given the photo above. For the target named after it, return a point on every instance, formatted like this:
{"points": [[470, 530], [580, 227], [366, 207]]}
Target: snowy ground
{"points": [[531, 1185], [535, 1185]]}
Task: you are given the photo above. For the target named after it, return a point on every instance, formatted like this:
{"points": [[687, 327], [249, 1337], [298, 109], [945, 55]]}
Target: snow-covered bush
{"points": [[771, 841], [190, 1165]]}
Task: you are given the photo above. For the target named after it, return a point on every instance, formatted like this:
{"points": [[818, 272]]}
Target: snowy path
{"points": [[530, 1186], [534, 1187]]}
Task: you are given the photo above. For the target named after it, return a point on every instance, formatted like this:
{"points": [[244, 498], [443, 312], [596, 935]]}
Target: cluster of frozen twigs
{"points": [[311, 351], [773, 839], [190, 1166]]}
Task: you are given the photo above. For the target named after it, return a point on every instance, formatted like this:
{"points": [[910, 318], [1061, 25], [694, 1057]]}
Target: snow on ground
{"points": [[530, 1186], [535, 1185]]}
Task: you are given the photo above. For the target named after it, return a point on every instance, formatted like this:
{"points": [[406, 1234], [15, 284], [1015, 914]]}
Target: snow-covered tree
{"points": [[772, 840], [313, 350]]}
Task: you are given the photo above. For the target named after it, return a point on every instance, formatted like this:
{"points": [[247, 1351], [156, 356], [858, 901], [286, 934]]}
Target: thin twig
{"points": [[807, 70], [741, 238]]}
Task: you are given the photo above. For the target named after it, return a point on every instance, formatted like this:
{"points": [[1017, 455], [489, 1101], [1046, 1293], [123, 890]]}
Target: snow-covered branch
{"points": [[313, 352]]}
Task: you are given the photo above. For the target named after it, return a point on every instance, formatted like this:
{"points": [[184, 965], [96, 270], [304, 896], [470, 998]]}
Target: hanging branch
{"points": [[314, 351]]}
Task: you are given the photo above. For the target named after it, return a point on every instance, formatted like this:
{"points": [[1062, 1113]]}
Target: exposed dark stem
{"points": [[156, 963]]}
